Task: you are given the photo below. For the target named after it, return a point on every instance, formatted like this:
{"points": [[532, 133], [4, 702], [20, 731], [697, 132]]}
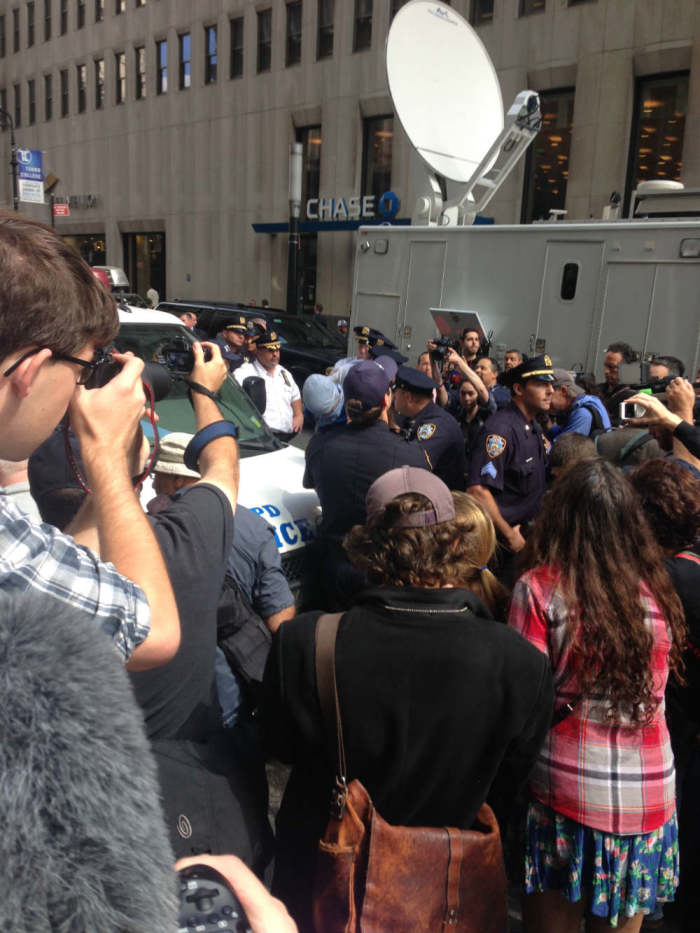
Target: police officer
{"points": [[232, 341], [434, 428], [367, 338], [507, 472], [343, 462]]}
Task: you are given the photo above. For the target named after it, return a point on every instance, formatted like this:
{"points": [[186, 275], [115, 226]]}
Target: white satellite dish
{"points": [[444, 87]]}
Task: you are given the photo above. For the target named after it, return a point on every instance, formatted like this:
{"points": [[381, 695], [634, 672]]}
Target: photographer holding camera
{"points": [[54, 317]]}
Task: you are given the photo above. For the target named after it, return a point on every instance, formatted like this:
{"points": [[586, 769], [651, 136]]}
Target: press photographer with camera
{"points": [[54, 316], [676, 416]]}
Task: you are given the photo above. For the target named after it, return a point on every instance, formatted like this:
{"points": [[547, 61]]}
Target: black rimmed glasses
{"points": [[88, 366]]}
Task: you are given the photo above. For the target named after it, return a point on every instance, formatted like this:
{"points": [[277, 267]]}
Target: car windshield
{"points": [[306, 333], [175, 411]]}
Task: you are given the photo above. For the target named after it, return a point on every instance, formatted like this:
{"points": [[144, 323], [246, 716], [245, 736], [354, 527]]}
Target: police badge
{"points": [[495, 445], [426, 431]]}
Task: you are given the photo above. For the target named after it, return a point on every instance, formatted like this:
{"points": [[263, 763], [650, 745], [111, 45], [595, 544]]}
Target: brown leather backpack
{"points": [[375, 878]]}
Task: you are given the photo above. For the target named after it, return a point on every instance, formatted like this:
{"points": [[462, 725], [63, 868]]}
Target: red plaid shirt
{"points": [[618, 778]]}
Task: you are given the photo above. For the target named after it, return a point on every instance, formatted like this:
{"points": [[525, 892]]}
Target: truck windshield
{"points": [[175, 411]]}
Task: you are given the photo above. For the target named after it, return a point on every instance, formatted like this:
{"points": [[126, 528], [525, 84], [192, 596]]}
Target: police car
{"points": [[270, 472]]}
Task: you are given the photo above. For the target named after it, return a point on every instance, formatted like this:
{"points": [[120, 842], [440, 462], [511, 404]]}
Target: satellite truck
{"points": [[566, 289]]}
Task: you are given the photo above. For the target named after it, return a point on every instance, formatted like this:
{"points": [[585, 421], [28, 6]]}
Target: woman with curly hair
{"points": [[441, 706], [670, 496], [601, 836]]}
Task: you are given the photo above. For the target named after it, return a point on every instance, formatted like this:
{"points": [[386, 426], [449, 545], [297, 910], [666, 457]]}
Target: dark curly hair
{"points": [[451, 553], [670, 497], [592, 527]]}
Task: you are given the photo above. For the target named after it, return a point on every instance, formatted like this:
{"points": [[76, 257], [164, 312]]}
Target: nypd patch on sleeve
{"points": [[426, 431], [495, 445]]}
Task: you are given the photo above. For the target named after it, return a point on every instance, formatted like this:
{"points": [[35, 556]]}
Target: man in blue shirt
{"points": [[577, 413]]}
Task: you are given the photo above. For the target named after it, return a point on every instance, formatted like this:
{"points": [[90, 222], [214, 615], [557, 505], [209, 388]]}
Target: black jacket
{"points": [[440, 705]]}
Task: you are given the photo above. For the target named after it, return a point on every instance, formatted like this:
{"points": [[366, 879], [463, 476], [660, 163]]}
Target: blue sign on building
{"points": [[31, 175]]}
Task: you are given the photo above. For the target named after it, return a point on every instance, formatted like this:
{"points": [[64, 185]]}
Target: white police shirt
{"points": [[281, 391]]}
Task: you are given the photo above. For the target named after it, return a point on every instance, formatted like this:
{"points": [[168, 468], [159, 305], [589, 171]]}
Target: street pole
{"points": [[295, 172], [6, 118]]}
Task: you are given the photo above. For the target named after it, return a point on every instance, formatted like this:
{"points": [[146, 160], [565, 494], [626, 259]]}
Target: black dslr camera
{"points": [[174, 359], [442, 345]]}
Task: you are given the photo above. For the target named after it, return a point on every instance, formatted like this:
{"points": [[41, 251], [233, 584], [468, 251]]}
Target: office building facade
{"points": [[165, 125]]}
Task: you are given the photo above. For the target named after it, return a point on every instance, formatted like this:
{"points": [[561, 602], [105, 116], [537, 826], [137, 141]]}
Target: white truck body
{"points": [[637, 281]]}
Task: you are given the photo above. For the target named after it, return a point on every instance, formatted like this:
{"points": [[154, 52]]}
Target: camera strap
{"points": [[136, 480], [200, 389]]}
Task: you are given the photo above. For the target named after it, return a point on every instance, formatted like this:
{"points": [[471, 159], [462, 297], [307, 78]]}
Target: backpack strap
{"points": [[597, 426], [327, 689]]}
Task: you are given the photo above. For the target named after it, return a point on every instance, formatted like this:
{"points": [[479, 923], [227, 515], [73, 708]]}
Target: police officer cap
{"points": [[254, 330], [381, 351], [373, 337], [413, 380], [539, 367], [237, 323], [270, 342]]}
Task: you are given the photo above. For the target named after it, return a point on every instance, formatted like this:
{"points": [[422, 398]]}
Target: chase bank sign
{"points": [[367, 207]]}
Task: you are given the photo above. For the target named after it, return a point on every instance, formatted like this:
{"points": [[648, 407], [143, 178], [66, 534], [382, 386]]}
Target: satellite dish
{"points": [[444, 87]]}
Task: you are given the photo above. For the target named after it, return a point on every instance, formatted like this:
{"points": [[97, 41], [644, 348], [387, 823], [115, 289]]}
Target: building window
{"points": [[99, 83], [310, 139], [237, 47], [99, 10], [47, 20], [185, 43], [378, 138], [210, 56], [120, 70], [63, 17], [63, 75], [140, 72], [362, 33], [48, 97], [547, 162], [140, 3], [30, 25], [18, 105], [31, 93], [264, 40], [119, 7], [2, 36], [292, 52], [661, 105], [81, 75], [80, 14], [324, 35], [162, 67], [530, 6], [481, 12], [15, 31]]}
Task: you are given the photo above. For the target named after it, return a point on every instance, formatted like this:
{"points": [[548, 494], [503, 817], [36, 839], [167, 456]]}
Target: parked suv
{"points": [[308, 346]]}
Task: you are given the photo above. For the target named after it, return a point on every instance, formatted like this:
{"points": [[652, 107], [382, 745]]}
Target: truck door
{"points": [[572, 272], [653, 307]]}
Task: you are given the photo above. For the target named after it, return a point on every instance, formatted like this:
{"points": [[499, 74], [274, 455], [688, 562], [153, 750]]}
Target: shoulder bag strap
{"points": [[327, 689]]}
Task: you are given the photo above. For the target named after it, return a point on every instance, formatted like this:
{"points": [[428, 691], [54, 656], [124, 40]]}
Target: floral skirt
{"points": [[620, 875]]}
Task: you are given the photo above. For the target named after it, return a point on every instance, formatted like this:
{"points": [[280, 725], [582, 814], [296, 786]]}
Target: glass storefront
{"points": [[91, 246], [312, 140], [144, 262]]}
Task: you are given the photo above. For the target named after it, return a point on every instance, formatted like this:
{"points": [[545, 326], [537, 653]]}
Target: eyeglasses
{"points": [[89, 366]]}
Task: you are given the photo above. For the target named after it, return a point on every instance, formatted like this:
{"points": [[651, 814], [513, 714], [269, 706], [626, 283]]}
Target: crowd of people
{"points": [[518, 576]]}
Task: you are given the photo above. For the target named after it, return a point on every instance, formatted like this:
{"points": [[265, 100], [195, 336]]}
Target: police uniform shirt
{"points": [[441, 437], [509, 458], [343, 462], [281, 390]]}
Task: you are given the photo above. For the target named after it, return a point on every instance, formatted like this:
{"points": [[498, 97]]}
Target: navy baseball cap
{"points": [[368, 382], [413, 380]]}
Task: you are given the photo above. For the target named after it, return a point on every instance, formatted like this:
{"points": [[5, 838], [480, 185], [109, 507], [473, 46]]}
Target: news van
{"points": [[566, 289], [271, 472]]}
